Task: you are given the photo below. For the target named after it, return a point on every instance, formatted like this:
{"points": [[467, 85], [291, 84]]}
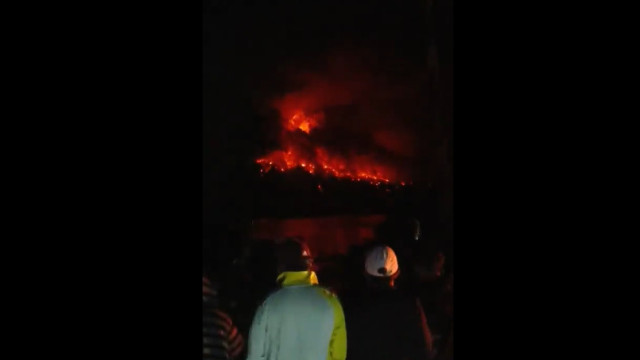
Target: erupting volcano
{"points": [[345, 120], [301, 152]]}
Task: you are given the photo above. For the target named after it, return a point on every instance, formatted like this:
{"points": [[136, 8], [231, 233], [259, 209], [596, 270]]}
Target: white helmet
{"points": [[381, 261]]}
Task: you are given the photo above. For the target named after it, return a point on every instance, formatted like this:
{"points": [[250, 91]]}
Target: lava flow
{"points": [[318, 160]]}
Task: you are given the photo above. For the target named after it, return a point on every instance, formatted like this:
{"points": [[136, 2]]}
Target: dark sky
{"points": [[258, 51]]}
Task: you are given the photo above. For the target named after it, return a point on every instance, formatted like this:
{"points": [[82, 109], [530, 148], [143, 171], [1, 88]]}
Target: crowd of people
{"points": [[377, 302]]}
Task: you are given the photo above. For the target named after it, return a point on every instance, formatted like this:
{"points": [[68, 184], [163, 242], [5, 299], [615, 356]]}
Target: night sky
{"points": [[387, 67]]}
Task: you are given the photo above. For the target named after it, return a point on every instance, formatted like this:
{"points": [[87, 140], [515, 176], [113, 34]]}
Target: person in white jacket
{"points": [[301, 320]]}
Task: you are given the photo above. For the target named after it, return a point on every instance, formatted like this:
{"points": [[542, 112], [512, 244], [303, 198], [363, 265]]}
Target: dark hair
{"points": [[290, 256], [301, 265]]}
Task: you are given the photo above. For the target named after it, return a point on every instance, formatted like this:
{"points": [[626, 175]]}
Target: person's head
{"points": [[381, 266], [293, 255]]}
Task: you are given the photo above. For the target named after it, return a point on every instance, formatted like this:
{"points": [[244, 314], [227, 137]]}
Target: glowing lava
{"points": [[317, 160], [302, 122]]}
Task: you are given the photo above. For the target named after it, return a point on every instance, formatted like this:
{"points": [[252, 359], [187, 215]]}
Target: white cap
{"points": [[381, 262]]}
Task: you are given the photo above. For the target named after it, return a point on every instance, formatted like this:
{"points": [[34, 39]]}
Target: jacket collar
{"points": [[293, 278]]}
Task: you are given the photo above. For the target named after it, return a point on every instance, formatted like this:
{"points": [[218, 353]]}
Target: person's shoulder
{"points": [[272, 296], [329, 295], [326, 291], [279, 296]]}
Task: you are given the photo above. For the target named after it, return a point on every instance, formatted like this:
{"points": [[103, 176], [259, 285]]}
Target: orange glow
{"points": [[302, 122], [317, 159], [356, 169]]}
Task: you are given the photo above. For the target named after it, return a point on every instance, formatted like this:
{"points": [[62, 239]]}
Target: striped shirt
{"points": [[220, 337]]}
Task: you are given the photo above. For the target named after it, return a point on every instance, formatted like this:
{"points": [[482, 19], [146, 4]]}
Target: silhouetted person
{"points": [[404, 235], [220, 337], [384, 323], [301, 320]]}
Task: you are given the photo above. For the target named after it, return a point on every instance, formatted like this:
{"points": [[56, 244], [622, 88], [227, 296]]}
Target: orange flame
{"points": [[320, 161], [302, 122]]}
